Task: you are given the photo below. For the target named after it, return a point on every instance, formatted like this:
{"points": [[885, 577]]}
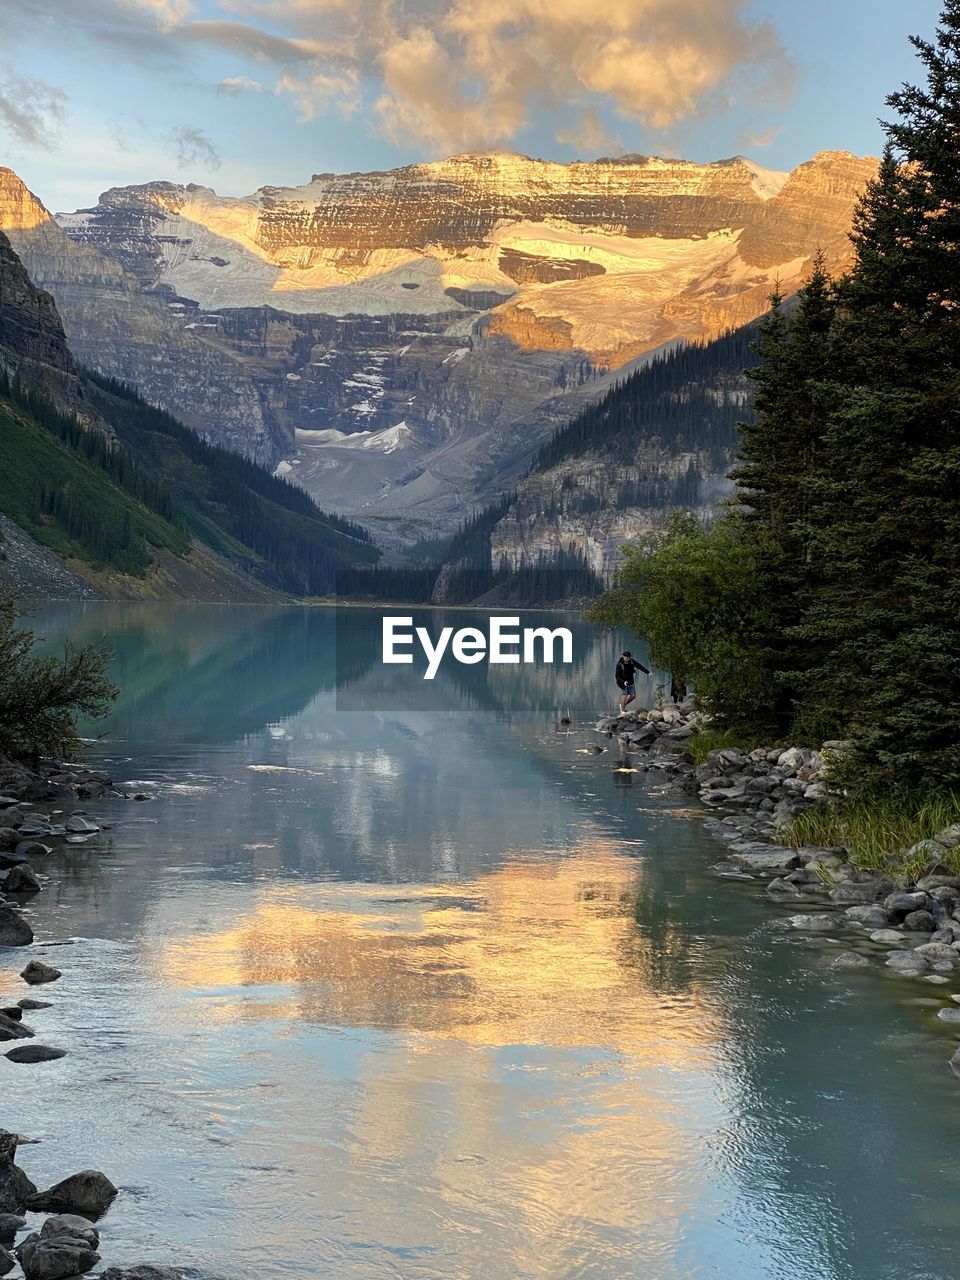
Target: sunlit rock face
{"points": [[412, 334], [113, 326]]}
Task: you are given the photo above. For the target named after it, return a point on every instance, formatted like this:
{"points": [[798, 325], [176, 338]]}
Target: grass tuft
{"points": [[701, 743], [879, 831]]}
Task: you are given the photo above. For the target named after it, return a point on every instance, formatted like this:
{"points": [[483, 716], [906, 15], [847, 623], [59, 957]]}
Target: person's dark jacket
{"points": [[626, 671]]}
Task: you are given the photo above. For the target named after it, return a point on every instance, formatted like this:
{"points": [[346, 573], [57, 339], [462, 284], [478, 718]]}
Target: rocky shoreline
{"points": [[911, 926], [66, 1242]]}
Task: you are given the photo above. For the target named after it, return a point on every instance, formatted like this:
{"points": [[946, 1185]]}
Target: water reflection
{"points": [[439, 996]]}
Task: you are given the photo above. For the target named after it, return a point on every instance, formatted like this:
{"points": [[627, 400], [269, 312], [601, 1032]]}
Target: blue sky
{"points": [[237, 94]]}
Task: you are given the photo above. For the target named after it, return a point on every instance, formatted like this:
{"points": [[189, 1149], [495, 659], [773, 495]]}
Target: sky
{"points": [[239, 94]]}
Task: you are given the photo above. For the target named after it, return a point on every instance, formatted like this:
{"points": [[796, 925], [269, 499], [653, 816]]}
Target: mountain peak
{"points": [[20, 210]]}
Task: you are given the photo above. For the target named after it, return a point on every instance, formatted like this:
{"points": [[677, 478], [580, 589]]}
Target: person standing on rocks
{"points": [[627, 669]]}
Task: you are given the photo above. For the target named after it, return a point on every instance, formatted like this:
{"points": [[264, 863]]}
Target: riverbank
{"points": [[39, 809], [905, 917]]}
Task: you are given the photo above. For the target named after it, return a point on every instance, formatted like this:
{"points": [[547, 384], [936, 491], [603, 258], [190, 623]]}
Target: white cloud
{"points": [[457, 73], [31, 111], [235, 85]]}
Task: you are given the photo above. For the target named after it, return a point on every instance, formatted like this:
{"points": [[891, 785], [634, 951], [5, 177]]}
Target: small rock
{"points": [[783, 888], [27, 1003], [22, 879], [812, 922], [887, 937], [9, 838], [902, 901], [919, 922], [87, 1192], [7, 1260], [937, 951], [37, 972], [848, 892], [871, 917], [142, 1272], [851, 960], [34, 1053], [81, 826], [907, 962], [28, 849], [948, 1015]]}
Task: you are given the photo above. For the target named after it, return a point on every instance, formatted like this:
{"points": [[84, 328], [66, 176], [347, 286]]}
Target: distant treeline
{"points": [[691, 399]]}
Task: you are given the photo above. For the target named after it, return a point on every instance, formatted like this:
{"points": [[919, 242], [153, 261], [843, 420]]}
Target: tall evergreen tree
{"points": [[886, 504], [778, 452]]}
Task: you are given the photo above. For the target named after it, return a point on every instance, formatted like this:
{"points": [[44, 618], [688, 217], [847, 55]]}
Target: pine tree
{"points": [[886, 503], [778, 452]]}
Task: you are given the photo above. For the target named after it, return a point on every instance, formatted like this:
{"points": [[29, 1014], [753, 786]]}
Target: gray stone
{"points": [[22, 879], [27, 1003], [937, 951], [28, 849], [887, 937], [948, 1015], [7, 1260], [70, 1224], [851, 960], [36, 972], [907, 962], [849, 892], [34, 1053], [14, 930], [938, 882], [815, 922], [902, 901], [55, 1259], [144, 1271], [87, 1192], [9, 839], [760, 857], [80, 825], [929, 850], [783, 888], [949, 837], [15, 1187], [919, 922], [14, 1028], [871, 917], [10, 1224]]}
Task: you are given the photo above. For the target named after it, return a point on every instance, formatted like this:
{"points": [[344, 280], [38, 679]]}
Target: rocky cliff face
{"points": [[33, 346], [411, 333], [114, 327]]}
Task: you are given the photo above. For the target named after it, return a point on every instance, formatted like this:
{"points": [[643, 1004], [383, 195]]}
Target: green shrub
{"points": [[42, 695]]}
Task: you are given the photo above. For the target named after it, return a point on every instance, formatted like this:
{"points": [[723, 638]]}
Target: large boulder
{"points": [[88, 1192], [14, 930], [15, 1187], [55, 1259], [7, 1261]]}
